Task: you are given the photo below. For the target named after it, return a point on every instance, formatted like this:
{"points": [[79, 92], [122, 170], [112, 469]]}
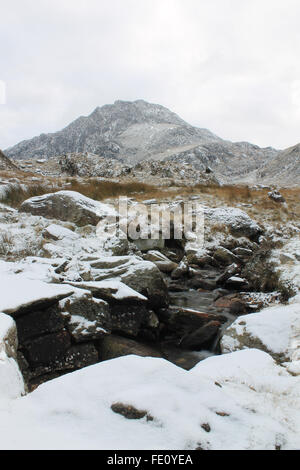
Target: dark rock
{"points": [[88, 318], [235, 305], [129, 318], [130, 412], [201, 261], [176, 287], [39, 323], [222, 414], [115, 346], [200, 283], [76, 357], [181, 270], [62, 267], [201, 338], [37, 305], [180, 321], [80, 355], [47, 349], [229, 271], [236, 283], [206, 427], [224, 256]]}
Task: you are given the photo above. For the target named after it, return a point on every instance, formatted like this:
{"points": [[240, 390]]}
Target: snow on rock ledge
{"points": [[19, 295], [68, 206], [57, 232], [110, 289], [225, 402], [11, 380], [275, 330]]}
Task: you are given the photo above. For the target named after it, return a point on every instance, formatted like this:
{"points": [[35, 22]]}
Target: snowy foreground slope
{"points": [[241, 400], [247, 398]]}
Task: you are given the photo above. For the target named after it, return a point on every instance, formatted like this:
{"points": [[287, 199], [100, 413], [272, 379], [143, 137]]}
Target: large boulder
{"points": [[235, 219], [202, 338], [274, 330], [129, 310], [68, 206], [146, 278], [180, 321]]}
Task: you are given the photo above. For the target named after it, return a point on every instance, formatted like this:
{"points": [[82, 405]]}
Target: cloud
{"points": [[226, 65]]}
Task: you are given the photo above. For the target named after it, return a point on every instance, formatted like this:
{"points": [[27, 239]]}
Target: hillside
{"points": [[135, 131], [285, 167], [5, 163]]}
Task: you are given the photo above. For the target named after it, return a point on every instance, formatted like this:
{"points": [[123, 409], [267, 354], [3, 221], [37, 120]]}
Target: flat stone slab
{"points": [[19, 295], [110, 289]]}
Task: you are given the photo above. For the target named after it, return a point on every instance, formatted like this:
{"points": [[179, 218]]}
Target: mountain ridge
{"points": [[134, 131]]}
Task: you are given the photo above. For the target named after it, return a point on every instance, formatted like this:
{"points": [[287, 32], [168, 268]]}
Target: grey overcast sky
{"points": [[232, 66]]}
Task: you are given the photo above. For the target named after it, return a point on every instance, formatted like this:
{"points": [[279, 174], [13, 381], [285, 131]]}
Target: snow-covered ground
{"points": [[241, 400], [248, 398]]}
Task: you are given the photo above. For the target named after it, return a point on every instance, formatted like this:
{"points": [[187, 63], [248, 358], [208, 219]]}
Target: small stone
{"points": [[130, 412], [222, 413], [206, 427]]}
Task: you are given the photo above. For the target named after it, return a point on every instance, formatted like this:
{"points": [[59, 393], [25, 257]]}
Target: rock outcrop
{"points": [[68, 206]]}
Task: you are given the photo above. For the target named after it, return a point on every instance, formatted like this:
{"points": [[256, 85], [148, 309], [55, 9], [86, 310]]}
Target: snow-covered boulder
{"points": [[68, 206], [129, 310], [20, 295], [237, 401], [275, 330], [235, 219], [11, 380], [146, 278]]}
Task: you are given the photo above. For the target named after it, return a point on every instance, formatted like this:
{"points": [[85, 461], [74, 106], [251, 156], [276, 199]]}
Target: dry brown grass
{"points": [[9, 174], [100, 190], [257, 203], [16, 194]]}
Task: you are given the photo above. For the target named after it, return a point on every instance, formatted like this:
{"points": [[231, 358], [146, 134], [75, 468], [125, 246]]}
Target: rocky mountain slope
{"points": [[285, 167], [5, 163], [136, 131], [232, 161], [126, 130]]}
